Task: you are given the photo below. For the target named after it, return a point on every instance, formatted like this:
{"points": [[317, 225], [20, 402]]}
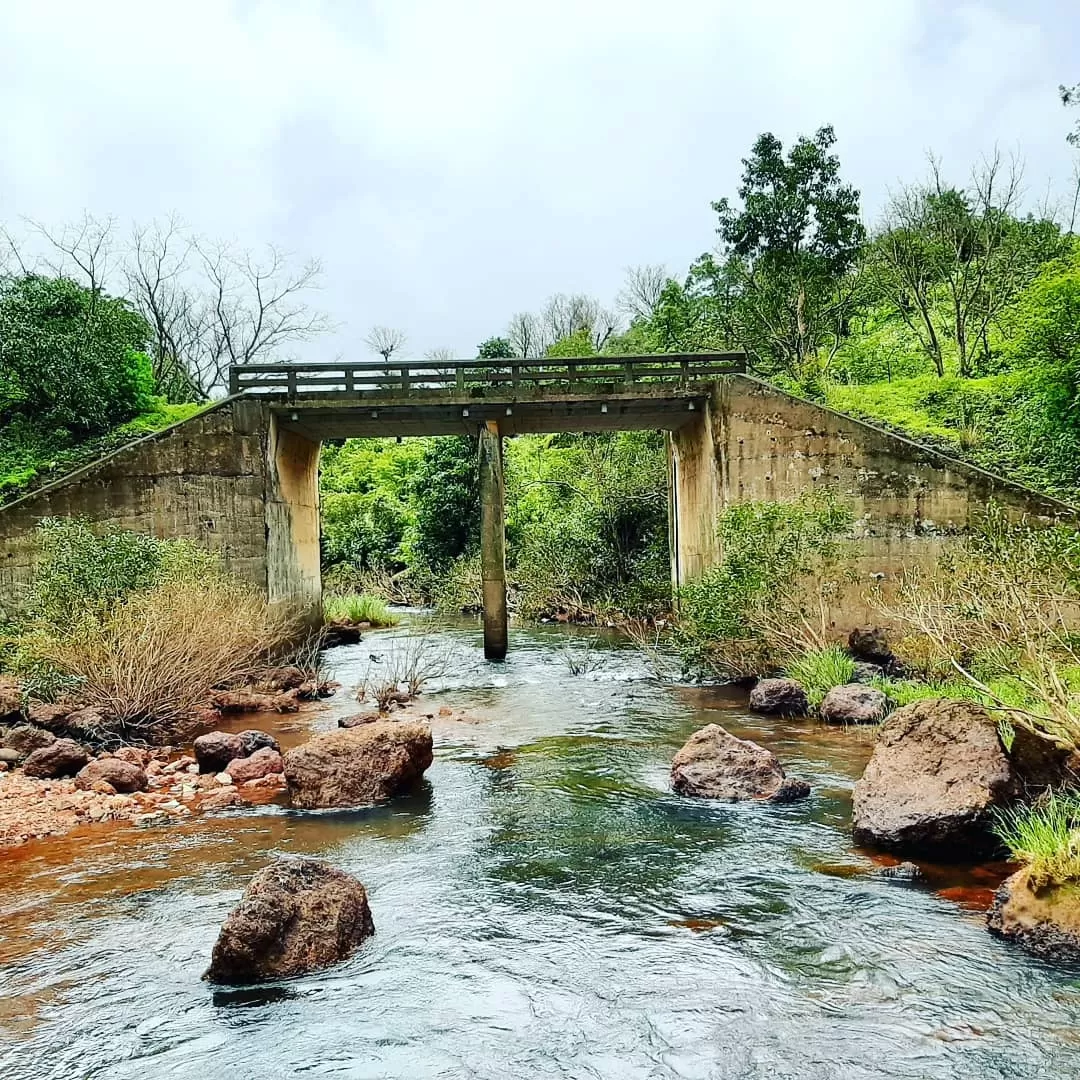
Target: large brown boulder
{"points": [[25, 738], [937, 773], [853, 704], [295, 916], [123, 776], [11, 703], [870, 643], [1043, 920], [357, 766], [779, 697], [64, 757], [215, 749], [714, 764]]}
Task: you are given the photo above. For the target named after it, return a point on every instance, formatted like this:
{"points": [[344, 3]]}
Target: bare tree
{"points": [[81, 249], [960, 246], [441, 360], [211, 305], [642, 290], [525, 335], [385, 341]]}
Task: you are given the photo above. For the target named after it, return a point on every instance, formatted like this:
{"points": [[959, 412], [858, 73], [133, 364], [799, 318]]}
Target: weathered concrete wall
{"points": [[222, 479], [694, 498], [908, 500]]}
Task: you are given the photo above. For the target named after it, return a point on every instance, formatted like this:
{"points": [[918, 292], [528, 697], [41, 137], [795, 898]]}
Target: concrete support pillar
{"points": [[493, 542], [694, 499]]}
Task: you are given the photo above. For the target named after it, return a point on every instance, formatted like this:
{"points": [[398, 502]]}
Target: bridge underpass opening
{"points": [[489, 414]]}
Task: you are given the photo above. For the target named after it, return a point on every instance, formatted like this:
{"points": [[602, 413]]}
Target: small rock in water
{"points": [[901, 873], [295, 916], [119, 775], [1041, 919], [215, 749], [779, 697], [260, 764], [853, 704], [714, 764]]}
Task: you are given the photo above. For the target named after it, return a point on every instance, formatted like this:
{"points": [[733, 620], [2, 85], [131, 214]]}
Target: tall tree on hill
{"points": [[950, 260], [782, 283]]}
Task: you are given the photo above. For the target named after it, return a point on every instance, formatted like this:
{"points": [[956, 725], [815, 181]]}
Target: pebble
{"points": [[223, 778]]}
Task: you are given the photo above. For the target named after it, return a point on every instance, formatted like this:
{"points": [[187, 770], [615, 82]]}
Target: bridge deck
{"points": [[338, 400]]}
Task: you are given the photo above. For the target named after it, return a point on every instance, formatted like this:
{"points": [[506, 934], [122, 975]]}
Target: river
{"points": [[545, 907]]}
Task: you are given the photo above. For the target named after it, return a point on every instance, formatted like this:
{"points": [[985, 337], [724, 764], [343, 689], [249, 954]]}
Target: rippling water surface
{"points": [[545, 907]]}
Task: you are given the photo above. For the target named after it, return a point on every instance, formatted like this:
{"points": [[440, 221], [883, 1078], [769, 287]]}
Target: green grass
{"points": [[358, 608], [31, 457], [819, 671], [1044, 837]]}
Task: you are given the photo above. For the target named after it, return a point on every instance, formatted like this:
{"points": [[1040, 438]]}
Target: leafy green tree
{"points": [[579, 343], [495, 348], [782, 286], [70, 357], [446, 498]]}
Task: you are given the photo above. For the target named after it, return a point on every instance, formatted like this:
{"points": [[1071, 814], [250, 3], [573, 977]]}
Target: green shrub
{"points": [[358, 608], [820, 670], [1044, 837], [763, 605]]}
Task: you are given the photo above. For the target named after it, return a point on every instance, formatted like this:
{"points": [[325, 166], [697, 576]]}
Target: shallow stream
{"points": [[544, 908]]}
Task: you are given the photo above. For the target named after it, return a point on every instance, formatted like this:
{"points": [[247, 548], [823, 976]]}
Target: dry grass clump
{"points": [[154, 659], [412, 660]]}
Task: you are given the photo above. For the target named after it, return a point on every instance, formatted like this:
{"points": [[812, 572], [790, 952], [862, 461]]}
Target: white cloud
{"points": [[455, 162]]}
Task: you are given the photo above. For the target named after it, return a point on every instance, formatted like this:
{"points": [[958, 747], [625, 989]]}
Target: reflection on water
{"points": [[545, 906]]}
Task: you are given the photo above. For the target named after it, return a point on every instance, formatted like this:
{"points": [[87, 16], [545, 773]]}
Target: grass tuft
{"points": [[1044, 837], [356, 608], [820, 670]]}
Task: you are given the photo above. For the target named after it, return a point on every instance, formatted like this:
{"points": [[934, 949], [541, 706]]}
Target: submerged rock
{"points": [[63, 757], [357, 766], [295, 916], [853, 704], [714, 764], [359, 719], [253, 740], [937, 772], [1044, 921], [780, 697], [123, 776]]}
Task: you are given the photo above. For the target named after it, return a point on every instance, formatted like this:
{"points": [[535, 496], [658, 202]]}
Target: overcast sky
{"points": [[454, 161]]}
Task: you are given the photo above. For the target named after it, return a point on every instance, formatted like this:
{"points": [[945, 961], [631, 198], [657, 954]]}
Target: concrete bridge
{"points": [[242, 477]]}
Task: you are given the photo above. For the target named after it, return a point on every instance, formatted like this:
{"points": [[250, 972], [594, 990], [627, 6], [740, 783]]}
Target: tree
{"points": [[385, 341], [1070, 95], [524, 335], [495, 348], [209, 305], [70, 357], [446, 495], [950, 260], [783, 285], [642, 291]]}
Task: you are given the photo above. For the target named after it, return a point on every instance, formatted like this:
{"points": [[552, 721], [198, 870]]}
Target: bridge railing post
{"points": [[291, 383]]}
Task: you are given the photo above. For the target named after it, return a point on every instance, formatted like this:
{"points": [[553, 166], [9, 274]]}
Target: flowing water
{"points": [[545, 907]]}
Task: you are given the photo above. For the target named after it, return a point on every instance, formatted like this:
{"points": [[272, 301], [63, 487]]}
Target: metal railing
{"points": [[333, 379]]}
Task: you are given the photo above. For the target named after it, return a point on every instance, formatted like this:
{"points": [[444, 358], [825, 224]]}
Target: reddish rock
{"points": [[779, 697], [359, 766], [89, 722], [123, 776], [221, 800], [260, 764], [714, 764], [53, 717], [937, 773], [215, 749], [11, 703], [64, 757], [359, 719], [136, 755], [295, 916], [1042, 919], [232, 701], [26, 738], [853, 704]]}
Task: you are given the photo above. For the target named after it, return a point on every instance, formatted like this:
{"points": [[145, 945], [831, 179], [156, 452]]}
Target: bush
{"points": [[764, 604], [139, 628], [152, 660], [358, 608], [819, 670], [1045, 838]]}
